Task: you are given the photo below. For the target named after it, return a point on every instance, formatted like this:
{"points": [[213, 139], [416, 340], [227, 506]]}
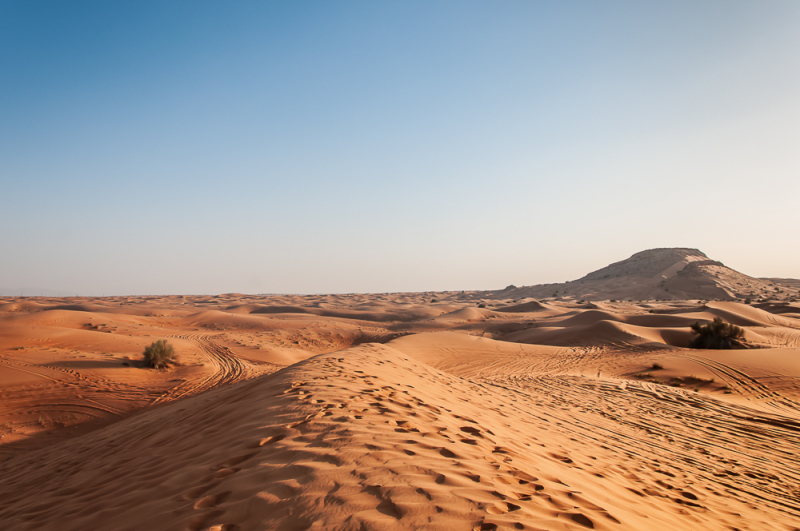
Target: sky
{"points": [[336, 147]]}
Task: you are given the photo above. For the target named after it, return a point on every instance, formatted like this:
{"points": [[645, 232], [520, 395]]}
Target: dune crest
{"points": [[663, 274], [401, 411], [370, 438]]}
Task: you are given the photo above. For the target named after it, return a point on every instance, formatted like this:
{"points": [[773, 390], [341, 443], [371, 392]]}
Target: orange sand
{"points": [[370, 412]]}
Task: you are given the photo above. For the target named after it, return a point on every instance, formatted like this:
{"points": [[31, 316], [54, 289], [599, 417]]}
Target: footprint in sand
{"points": [[225, 472], [233, 461], [300, 422], [471, 430], [200, 523], [502, 508], [270, 440], [212, 500], [582, 520], [199, 491], [523, 477]]}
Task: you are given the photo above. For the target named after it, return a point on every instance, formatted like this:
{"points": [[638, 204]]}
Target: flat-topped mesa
{"points": [[670, 273]]}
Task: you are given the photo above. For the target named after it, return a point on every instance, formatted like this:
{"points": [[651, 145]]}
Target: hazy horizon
{"points": [[349, 147], [30, 291]]}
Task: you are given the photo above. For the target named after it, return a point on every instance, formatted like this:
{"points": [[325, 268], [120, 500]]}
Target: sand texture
{"points": [[671, 274], [437, 411]]}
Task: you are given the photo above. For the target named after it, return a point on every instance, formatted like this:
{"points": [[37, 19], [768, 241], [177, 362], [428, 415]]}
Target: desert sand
{"points": [[663, 274], [396, 411]]}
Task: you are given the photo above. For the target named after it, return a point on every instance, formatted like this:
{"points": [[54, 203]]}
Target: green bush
{"points": [[717, 335], [159, 354]]}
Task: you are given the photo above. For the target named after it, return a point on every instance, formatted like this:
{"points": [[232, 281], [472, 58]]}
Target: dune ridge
{"points": [[554, 415], [368, 438], [663, 274]]}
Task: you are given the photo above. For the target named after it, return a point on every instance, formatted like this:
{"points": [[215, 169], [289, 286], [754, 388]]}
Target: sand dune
{"points": [[470, 313], [662, 274], [394, 412], [531, 306]]}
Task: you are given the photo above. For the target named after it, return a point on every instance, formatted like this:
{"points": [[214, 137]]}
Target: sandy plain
{"points": [[396, 411]]}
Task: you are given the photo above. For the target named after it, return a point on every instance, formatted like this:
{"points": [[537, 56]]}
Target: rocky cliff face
{"points": [[672, 273]]}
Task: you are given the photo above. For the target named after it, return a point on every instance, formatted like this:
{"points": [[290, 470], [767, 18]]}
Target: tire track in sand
{"points": [[228, 369], [741, 381]]}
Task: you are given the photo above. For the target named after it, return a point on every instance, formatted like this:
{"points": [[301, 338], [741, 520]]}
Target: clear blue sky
{"points": [[307, 147]]}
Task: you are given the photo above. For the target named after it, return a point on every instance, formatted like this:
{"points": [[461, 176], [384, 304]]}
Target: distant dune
{"points": [[661, 274], [34, 292]]}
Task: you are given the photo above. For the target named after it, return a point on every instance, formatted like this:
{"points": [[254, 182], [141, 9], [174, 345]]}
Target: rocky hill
{"points": [[674, 273]]}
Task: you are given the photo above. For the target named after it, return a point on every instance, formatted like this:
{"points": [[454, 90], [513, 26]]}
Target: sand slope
{"points": [[663, 274], [371, 439], [427, 416]]}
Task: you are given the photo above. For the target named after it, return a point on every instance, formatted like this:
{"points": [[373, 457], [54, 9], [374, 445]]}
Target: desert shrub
{"points": [[657, 367], [159, 354], [717, 335], [481, 305], [748, 301]]}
